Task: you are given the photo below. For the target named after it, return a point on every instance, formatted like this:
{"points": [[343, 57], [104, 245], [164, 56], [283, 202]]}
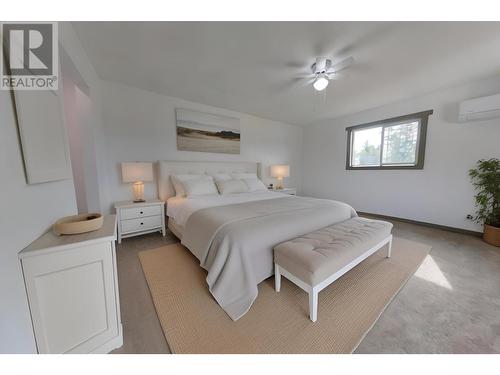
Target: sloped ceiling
{"points": [[252, 67]]}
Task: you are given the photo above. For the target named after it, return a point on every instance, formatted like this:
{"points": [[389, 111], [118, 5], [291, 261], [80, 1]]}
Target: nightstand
{"points": [[135, 219], [289, 191]]}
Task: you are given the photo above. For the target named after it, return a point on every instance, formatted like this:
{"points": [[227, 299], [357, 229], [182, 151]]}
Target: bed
{"points": [[233, 236]]}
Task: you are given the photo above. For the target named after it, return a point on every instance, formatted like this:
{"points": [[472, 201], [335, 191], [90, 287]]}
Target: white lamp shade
{"points": [[134, 172], [280, 171]]}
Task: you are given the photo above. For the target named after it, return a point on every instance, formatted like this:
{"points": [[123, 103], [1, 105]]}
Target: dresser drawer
{"points": [[133, 213], [144, 223]]}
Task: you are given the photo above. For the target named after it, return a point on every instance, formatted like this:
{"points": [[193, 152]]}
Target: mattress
{"points": [[176, 229]]}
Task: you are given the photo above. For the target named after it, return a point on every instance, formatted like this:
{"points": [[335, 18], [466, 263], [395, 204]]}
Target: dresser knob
{"points": [[142, 212], [142, 223]]}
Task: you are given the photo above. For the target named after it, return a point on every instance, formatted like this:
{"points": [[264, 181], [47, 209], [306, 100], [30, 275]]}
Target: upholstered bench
{"points": [[317, 259]]}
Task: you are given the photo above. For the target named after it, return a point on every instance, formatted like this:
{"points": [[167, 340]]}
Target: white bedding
{"points": [[180, 208], [235, 242]]}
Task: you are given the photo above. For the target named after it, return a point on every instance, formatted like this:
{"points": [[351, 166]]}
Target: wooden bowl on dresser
{"points": [[78, 224]]}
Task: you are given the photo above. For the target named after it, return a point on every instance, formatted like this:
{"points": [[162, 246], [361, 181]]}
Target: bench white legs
{"points": [[314, 290], [313, 304], [277, 278]]}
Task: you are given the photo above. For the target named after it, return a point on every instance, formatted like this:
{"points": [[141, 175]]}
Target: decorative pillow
{"points": [[242, 176], [179, 179], [231, 187], [221, 176], [200, 186], [254, 184]]}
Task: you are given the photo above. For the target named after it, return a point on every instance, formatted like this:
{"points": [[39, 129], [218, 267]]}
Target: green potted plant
{"points": [[486, 180]]}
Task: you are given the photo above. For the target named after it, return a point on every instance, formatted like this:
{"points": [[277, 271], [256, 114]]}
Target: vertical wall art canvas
{"points": [[205, 132]]}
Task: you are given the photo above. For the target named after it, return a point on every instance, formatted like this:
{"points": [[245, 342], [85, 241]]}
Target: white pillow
{"points": [[241, 176], [221, 176], [200, 186], [231, 187], [254, 184], [179, 179]]}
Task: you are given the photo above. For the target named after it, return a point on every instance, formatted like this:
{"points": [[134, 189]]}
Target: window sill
{"points": [[389, 167]]}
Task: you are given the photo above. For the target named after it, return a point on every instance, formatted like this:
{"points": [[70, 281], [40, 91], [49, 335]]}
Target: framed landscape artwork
{"points": [[205, 132]]}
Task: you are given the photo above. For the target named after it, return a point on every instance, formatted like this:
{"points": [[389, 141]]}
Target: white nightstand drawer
{"points": [[143, 223], [133, 213]]}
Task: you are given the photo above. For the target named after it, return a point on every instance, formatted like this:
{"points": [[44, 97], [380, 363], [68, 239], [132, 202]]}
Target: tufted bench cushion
{"points": [[317, 255]]}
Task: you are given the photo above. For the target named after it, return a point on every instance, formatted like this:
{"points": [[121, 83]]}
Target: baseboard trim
{"points": [[425, 224]]}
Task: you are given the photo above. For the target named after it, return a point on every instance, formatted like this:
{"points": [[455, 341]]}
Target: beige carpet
{"points": [[193, 322]]}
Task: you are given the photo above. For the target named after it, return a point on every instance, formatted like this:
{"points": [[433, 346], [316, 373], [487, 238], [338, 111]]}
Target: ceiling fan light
{"points": [[320, 83]]}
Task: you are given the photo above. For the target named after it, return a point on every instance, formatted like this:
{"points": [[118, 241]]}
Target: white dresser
{"points": [[72, 288], [135, 219]]}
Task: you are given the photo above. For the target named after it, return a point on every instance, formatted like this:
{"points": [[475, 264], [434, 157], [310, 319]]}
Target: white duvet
{"points": [[234, 242], [180, 208]]}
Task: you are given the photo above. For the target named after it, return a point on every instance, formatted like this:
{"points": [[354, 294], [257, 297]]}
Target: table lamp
{"points": [[138, 173], [279, 172]]}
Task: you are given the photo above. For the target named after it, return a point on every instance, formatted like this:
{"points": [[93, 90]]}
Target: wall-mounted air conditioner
{"points": [[480, 108]]}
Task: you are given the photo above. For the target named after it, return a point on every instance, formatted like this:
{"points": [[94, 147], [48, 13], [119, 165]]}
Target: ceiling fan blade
{"points": [[303, 82], [309, 81], [303, 75], [290, 84], [335, 76], [294, 84], [341, 65]]}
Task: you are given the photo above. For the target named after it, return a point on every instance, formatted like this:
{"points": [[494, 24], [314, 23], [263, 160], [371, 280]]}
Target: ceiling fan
{"points": [[323, 71]]}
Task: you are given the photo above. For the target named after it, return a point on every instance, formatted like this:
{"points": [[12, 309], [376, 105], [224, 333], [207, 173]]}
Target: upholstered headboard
{"points": [[167, 168]]}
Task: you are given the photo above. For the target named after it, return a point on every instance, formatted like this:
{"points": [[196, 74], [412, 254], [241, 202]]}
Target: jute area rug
{"points": [[193, 322]]}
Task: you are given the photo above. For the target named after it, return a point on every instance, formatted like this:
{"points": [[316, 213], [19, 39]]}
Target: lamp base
{"points": [[139, 201], [279, 183], [138, 192]]}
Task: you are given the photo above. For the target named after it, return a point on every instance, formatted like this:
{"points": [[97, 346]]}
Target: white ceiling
{"points": [[251, 67]]}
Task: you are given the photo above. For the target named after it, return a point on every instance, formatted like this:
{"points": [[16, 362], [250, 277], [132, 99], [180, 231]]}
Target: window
{"points": [[395, 143]]}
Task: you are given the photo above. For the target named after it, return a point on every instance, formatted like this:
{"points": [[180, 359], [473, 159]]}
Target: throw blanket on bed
{"points": [[235, 243]]}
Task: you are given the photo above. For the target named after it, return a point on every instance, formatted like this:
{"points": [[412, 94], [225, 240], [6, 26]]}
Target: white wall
{"points": [[140, 126], [27, 211], [83, 74], [441, 193], [76, 135]]}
